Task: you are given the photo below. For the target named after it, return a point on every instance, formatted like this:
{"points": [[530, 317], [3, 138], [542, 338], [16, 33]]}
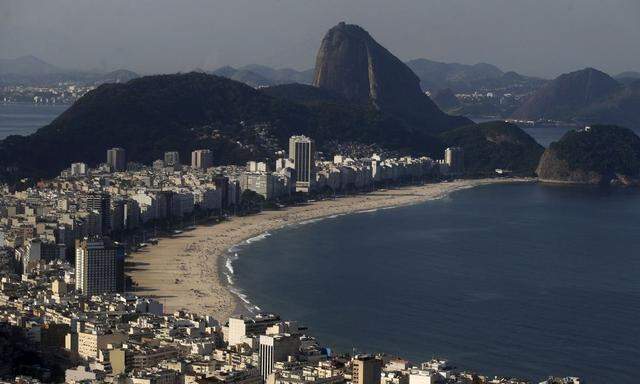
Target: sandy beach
{"points": [[184, 271]]}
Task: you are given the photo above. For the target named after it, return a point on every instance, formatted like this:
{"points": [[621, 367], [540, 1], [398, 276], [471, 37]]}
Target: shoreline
{"points": [[190, 271]]}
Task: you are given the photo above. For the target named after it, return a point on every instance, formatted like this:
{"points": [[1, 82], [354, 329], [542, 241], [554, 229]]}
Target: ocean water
{"points": [[24, 119], [523, 280]]}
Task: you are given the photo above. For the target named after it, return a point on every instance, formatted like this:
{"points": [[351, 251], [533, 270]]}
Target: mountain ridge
{"points": [[153, 114], [587, 96]]}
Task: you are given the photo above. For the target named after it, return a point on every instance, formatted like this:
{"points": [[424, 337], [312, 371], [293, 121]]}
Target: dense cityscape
{"points": [[65, 291], [287, 192]]}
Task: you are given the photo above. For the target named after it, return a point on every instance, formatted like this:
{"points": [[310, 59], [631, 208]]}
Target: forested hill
{"points": [[153, 114]]}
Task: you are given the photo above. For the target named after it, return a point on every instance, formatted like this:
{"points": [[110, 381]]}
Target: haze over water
{"points": [[25, 118], [524, 280]]}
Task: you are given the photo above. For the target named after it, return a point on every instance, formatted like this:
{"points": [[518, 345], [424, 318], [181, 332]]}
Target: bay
{"points": [[518, 280]]}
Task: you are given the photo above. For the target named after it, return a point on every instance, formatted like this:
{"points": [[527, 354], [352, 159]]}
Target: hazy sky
{"points": [[536, 37]]}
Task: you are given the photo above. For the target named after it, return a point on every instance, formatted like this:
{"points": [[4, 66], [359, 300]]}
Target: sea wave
{"points": [[260, 237], [245, 300], [228, 264]]}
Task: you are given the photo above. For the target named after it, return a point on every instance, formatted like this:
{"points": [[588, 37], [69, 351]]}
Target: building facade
{"points": [[116, 159], [302, 152], [201, 159], [97, 267]]}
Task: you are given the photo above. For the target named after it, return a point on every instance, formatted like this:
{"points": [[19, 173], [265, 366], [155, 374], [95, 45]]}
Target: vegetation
{"points": [[605, 150], [493, 145], [587, 96], [251, 201], [183, 112]]}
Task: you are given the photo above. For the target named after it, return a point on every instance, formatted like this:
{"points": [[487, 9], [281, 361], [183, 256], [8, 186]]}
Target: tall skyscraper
{"points": [[98, 267], [302, 152], [366, 369], [171, 159], [454, 158], [274, 348], [116, 159], [201, 159], [101, 203]]}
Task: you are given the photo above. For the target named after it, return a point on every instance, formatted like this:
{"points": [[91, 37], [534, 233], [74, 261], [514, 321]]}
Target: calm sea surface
{"points": [[523, 280], [23, 119]]}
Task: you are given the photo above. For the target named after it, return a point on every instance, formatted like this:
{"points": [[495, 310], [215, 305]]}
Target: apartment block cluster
{"points": [[121, 338], [63, 281], [88, 205]]}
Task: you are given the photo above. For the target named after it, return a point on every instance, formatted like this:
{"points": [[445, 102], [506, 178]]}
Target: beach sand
{"points": [[184, 271]]}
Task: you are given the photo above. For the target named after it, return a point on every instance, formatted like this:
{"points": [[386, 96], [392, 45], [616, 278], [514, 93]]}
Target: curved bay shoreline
{"points": [[186, 271]]}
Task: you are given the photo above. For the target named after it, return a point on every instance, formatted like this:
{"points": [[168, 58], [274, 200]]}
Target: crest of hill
{"points": [[352, 64], [587, 97], [564, 97], [27, 66], [597, 155], [492, 145], [183, 112], [435, 76]]}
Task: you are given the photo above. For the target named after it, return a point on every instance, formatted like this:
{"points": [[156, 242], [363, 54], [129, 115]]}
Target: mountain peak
{"points": [[352, 64], [27, 65], [564, 97]]}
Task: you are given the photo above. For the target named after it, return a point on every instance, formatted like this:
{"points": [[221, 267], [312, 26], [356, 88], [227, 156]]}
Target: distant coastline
{"points": [[188, 271]]}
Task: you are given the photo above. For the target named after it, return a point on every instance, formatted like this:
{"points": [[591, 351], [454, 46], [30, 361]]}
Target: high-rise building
{"points": [[171, 159], [454, 158], [116, 159], [101, 203], [79, 169], [275, 348], [99, 266], [222, 183], [302, 152], [201, 159], [366, 369]]}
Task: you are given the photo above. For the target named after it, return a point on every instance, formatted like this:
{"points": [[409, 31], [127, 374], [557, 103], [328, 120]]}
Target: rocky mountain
{"points": [[352, 64], [621, 107], [564, 97], [585, 97], [183, 112], [595, 155], [493, 145], [461, 78]]}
